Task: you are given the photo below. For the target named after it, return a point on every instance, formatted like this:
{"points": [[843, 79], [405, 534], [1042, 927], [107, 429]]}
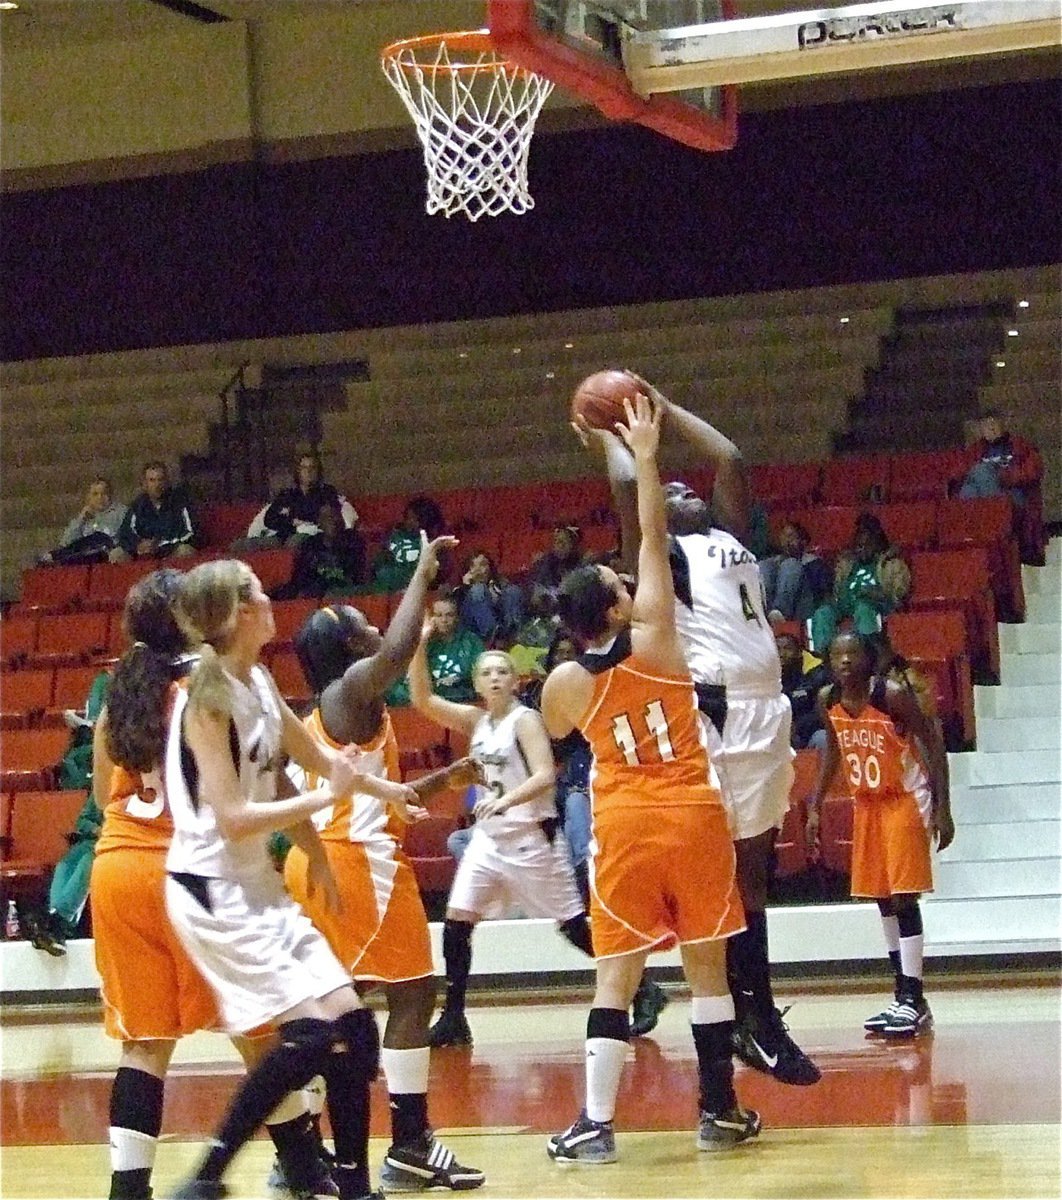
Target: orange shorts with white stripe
{"points": [[890, 847], [381, 932], [662, 876], [150, 987]]}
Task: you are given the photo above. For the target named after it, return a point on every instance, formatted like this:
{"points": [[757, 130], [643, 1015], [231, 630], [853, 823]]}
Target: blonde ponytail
{"points": [[209, 689], [206, 610]]}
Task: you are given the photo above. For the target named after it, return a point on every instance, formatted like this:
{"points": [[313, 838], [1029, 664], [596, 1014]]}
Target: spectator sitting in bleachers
{"points": [[795, 582], [396, 562], [534, 637], [871, 579], [452, 652], [489, 605], [802, 677], [329, 563], [291, 516], [93, 533], [158, 523], [1001, 463], [565, 554]]}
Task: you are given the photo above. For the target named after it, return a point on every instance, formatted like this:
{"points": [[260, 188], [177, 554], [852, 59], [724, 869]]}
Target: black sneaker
{"points": [[584, 1141], [201, 1189], [451, 1029], [428, 1165], [877, 1023], [764, 1043], [41, 937], [724, 1131], [650, 1000], [284, 1184], [910, 1018]]}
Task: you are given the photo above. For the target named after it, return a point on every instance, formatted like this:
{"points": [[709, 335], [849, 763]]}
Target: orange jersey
{"points": [[645, 734], [136, 813], [359, 817], [878, 760]]}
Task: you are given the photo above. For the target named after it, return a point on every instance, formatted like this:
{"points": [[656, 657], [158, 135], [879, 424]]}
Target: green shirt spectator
{"points": [[452, 653]]}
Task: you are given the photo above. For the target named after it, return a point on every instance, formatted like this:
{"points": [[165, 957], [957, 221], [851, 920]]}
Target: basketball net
{"points": [[475, 113]]}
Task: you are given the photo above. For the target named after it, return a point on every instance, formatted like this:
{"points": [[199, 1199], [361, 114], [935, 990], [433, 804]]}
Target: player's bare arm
{"points": [[461, 718], [534, 742], [366, 681], [619, 466], [730, 492], [653, 634], [565, 698], [102, 764], [905, 711], [459, 774]]}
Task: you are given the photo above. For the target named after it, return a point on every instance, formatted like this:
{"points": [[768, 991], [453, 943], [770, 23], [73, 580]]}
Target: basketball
{"points": [[599, 398]]}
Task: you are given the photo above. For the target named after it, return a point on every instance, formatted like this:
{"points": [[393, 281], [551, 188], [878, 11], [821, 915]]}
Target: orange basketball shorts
{"points": [[149, 985], [890, 848], [381, 931], [662, 876]]}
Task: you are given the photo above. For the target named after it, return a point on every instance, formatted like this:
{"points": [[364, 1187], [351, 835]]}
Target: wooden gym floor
{"points": [[971, 1110]]}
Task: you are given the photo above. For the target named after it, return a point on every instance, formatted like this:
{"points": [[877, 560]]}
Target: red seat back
{"points": [[111, 581], [55, 587], [924, 475], [72, 635], [856, 479], [40, 822], [24, 695], [287, 672], [911, 525], [781, 485], [222, 522], [18, 638], [29, 758]]}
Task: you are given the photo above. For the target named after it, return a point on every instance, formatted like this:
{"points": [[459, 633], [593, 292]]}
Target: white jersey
{"points": [[494, 744], [720, 615], [198, 847]]}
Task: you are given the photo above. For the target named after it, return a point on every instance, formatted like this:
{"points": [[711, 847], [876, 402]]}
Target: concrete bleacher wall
{"points": [[461, 403]]}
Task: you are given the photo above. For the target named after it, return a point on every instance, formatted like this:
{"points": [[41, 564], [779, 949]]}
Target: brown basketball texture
{"points": [[599, 398]]}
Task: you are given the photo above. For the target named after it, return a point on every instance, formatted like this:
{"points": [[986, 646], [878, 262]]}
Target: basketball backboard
{"points": [[674, 64]]}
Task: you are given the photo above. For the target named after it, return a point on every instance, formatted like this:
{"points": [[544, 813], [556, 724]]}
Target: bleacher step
{"points": [[1002, 839], [988, 803], [1043, 608], [1001, 877], [1032, 669], [1030, 639], [1030, 918], [1005, 701], [1000, 734], [1010, 766]]}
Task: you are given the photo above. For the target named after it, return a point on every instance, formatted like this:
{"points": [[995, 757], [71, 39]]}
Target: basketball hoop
{"points": [[474, 112]]}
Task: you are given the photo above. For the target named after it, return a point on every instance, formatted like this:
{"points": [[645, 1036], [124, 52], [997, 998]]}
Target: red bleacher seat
{"points": [[222, 522], [425, 847], [379, 511], [415, 732], [911, 525], [289, 617], [40, 822], [856, 479], [67, 639], [785, 485], [24, 695], [55, 588], [960, 578], [935, 643], [830, 527], [273, 567], [18, 638], [791, 845], [988, 522], [72, 686], [375, 608], [29, 758], [285, 669], [109, 582], [520, 547], [923, 475]]}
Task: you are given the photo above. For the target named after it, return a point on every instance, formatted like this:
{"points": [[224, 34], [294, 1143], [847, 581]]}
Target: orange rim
{"points": [[476, 41]]}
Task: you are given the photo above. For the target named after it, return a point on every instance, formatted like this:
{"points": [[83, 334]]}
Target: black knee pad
{"points": [[909, 920], [358, 1031], [304, 1047]]}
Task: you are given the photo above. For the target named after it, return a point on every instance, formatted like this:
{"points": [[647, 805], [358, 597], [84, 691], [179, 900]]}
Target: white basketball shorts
{"points": [[518, 869], [255, 947], [754, 762]]}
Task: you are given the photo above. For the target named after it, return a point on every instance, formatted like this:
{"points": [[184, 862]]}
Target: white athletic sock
{"points": [[911, 955], [890, 926], [710, 1010], [604, 1066], [406, 1071], [132, 1150]]}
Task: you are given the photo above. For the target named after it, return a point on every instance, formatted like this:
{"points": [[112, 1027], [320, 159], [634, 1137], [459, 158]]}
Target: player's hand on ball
{"points": [[642, 430], [591, 439]]}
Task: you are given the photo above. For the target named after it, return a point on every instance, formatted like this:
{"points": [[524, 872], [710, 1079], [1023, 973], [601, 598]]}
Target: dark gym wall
{"points": [[951, 181]]}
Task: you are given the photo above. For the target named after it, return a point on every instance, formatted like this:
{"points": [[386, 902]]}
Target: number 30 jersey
{"points": [[496, 747], [645, 734], [719, 614]]}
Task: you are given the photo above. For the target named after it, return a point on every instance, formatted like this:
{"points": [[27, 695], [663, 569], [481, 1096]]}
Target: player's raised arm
{"points": [[619, 466], [462, 718], [730, 492]]}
